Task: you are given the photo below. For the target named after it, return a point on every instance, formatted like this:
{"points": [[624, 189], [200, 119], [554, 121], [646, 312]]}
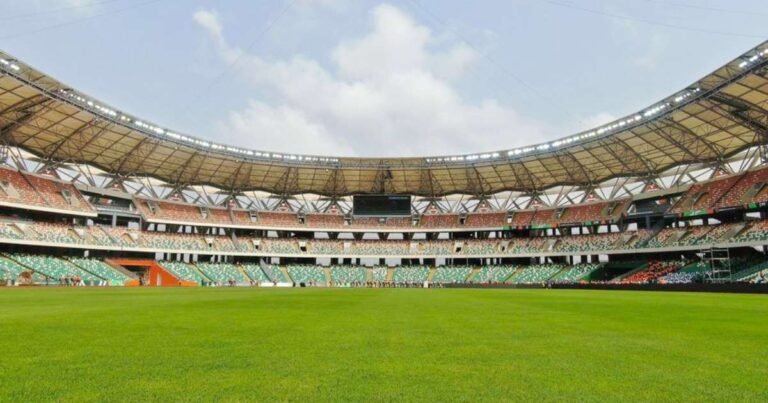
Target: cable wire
{"points": [[648, 21]]}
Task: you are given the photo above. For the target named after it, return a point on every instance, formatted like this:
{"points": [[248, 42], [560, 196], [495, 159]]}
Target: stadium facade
{"points": [[675, 192]]}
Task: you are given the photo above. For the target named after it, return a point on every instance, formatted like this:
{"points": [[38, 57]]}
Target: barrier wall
{"points": [[730, 287]]}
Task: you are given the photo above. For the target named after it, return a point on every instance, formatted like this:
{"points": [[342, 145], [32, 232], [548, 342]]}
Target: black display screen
{"points": [[660, 205], [381, 205]]}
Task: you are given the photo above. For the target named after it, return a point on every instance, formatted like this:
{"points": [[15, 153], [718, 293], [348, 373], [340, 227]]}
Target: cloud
{"points": [[261, 119], [210, 22], [388, 93]]}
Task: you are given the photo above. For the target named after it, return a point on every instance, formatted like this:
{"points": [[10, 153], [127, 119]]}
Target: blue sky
{"points": [[371, 78]]}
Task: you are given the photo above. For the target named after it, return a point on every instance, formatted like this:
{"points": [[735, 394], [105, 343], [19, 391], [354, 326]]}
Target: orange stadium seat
{"points": [[325, 220], [752, 188], [484, 220], [439, 220], [704, 195], [271, 218]]}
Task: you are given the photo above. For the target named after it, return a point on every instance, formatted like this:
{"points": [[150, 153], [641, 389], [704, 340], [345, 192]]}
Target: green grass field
{"points": [[381, 345]]}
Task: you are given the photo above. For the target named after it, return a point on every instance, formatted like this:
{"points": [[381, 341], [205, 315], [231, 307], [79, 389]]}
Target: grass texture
{"points": [[380, 345]]}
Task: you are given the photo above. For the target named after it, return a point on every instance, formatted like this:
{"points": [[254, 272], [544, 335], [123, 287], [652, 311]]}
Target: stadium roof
{"points": [[716, 117]]}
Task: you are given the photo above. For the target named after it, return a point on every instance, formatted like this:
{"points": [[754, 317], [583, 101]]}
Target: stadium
{"points": [[125, 242]]}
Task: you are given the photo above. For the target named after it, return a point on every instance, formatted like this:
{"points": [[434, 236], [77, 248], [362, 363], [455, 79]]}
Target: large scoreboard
{"points": [[381, 205]]}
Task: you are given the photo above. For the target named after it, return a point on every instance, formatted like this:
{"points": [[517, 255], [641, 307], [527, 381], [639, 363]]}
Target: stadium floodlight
{"points": [[11, 65], [754, 58]]}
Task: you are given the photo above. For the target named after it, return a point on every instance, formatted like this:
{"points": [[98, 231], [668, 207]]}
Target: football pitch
{"points": [[381, 345]]}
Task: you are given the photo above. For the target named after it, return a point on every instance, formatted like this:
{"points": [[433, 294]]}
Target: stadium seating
{"points": [[379, 273], [654, 271], [11, 270], [481, 247], [55, 268], [8, 231], [594, 212], [538, 244], [222, 273], [243, 217], [184, 271], [518, 245], [715, 234], [754, 231], [255, 273], [345, 275], [17, 189], [750, 272], [637, 239], [56, 233], [275, 274], [439, 220], [325, 247], [244, 244], [178, 212], [36, 191], [666, 237], [59, 195], [544, 217], [704, 195], [616, 209], [308, 274], [589, 242], [324, 220], [220, 243], [101, 269], [434, 248], [451, 274], [535, 274], [276, 219], [121, 236], [375, 222], [694, 236], [759, 278], [522, 219], [750, 189], [685, 275], [172, 241], [494, 274], [219, 216], [95, 235], [379, 248], [486, 220], [583, 213], [573, 274], [411, 274], [281, 246]]}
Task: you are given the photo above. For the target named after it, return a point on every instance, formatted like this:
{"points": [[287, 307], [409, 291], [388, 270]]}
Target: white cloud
{"points": [[389, 93], [262, 120], [210, 22]]}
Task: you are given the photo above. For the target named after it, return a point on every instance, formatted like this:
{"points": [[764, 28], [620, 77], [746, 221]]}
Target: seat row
{"points": [[121, 237], [39, 191]]}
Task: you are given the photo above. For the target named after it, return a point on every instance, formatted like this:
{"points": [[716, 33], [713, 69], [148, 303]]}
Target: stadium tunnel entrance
{"points": [[150, 273]]}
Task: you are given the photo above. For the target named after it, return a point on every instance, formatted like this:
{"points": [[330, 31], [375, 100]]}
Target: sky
{"points": [[371, 78]]}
